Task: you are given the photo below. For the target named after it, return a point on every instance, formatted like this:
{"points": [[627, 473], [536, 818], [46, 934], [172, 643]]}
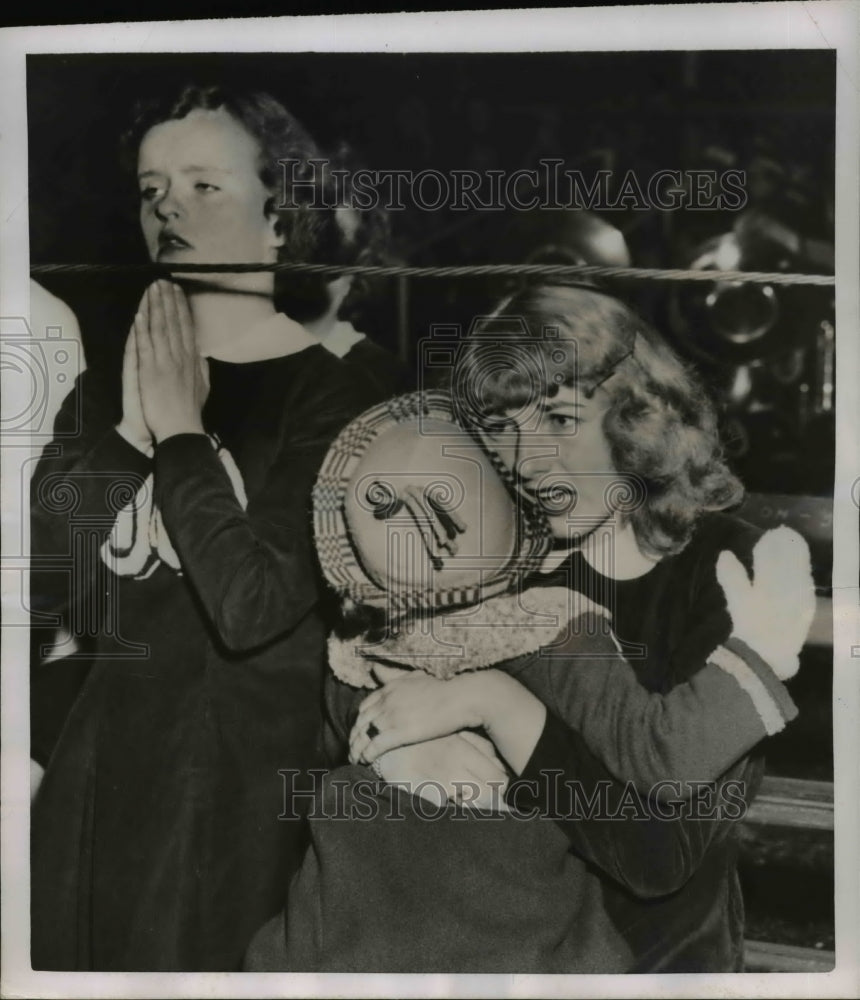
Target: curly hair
{"points": [[303, 199], [660, 424]]}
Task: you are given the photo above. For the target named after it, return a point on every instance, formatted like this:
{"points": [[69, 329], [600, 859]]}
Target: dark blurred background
{"points": [[767, 353]]}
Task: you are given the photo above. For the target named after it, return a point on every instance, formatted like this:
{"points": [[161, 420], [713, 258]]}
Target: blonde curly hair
{"points": [[660, 424]]}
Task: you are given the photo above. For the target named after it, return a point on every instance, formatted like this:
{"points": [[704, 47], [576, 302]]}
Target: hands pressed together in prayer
{"points": [[165, 381]]}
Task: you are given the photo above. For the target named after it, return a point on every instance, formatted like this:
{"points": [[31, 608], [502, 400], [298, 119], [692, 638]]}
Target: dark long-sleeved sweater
{"points": [[156, 842], [670, 887]]}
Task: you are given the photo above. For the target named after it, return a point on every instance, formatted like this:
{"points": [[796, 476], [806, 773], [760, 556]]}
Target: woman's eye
{"points": [[203, 186], [149, 193], [563, 421]]}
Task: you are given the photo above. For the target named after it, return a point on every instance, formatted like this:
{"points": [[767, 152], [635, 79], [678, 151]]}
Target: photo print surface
{"points": [[445, 585]]}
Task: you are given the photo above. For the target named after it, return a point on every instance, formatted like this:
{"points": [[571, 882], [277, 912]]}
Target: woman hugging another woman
{"points": [[603, 708]]}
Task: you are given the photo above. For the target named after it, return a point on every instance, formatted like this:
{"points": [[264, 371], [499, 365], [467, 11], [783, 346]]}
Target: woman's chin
{"points": [[196, 283], [569, 529], [562, 528], [174, 255]]}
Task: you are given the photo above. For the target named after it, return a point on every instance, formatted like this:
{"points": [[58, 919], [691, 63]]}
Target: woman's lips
{"points": [[171, 242], [553, 497]]}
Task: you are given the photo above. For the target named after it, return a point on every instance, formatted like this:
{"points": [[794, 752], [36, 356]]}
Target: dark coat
{"points": [[156, 842], [389, 886]]}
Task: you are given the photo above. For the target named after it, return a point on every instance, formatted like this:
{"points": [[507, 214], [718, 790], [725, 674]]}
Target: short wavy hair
{"points": [[660, 424], [312, 226]]}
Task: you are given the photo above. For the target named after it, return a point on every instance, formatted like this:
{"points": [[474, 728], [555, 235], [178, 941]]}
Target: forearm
{"points": [[693, 732], [252, 569], [648, 846], [511, 715]]}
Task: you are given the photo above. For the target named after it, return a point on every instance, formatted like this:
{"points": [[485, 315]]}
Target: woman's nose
{"points": [[168, 206]]}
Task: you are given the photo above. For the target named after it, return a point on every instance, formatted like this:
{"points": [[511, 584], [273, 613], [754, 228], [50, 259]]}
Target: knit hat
{"points": [[412, 513]]}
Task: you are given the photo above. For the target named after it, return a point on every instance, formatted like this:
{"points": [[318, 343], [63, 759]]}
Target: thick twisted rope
{"points": [[464, 271]]}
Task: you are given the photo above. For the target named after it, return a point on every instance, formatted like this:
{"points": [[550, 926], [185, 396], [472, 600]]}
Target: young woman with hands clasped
{"points": [[177, 522]]}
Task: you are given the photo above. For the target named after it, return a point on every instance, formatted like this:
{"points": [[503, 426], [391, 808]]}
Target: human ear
{"points": [[276, 236], [276, 230]]}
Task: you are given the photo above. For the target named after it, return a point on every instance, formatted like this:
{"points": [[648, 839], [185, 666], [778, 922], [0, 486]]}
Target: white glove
{"points": [[771, 614]]}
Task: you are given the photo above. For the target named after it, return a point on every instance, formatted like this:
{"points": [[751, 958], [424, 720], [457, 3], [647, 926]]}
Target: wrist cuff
{"points": [[768, 695]]}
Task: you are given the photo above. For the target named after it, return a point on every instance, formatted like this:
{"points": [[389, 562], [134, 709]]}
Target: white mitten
{"points": [[771, 614]]}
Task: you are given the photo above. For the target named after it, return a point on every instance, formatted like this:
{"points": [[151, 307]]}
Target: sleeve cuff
{"points": [[766, 691], [536, 789], [175, 455], [115, 455], [180, 445]]}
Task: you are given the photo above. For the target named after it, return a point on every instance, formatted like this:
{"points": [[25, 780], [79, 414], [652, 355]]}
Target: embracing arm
{"points": [[412, 707], [650, 846], [733, 697], [693, 732], [449, 764], [626, 724], [771, 613]]}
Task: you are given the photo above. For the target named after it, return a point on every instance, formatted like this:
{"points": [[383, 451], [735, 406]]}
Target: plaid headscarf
{"points": [[340, 553]]}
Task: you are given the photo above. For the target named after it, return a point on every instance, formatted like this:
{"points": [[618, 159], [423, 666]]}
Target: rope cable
{"points": [[460, 271]]}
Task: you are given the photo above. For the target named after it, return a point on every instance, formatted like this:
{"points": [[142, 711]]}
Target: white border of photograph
{"points": [[833, 25]]}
